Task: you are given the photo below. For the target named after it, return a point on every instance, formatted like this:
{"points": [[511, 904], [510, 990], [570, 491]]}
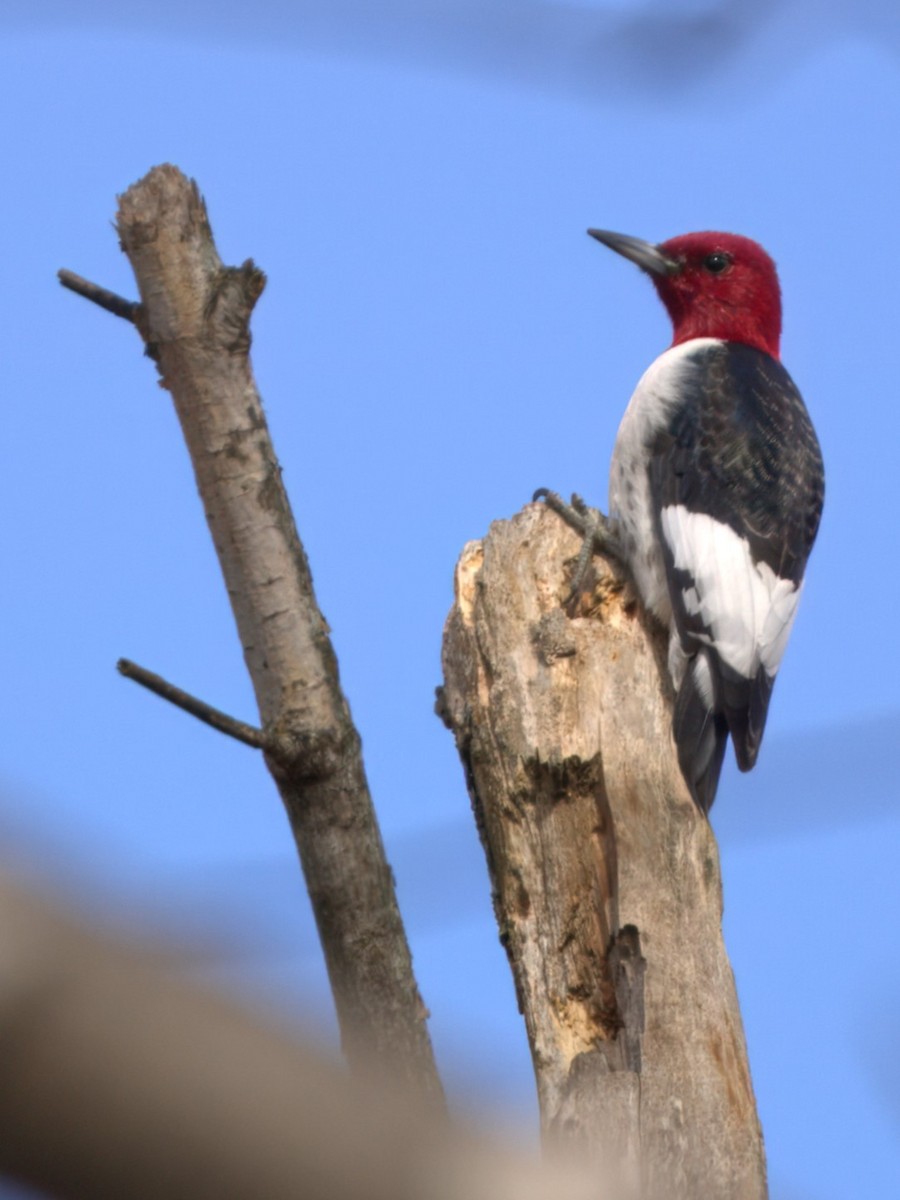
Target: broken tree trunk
{"points": [[605, 875]]}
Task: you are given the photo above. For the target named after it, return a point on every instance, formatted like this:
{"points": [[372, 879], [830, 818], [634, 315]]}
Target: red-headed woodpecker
{"points": [[716, 490]]}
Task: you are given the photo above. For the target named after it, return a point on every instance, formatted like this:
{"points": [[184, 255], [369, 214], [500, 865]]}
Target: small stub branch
{"points": [[605, 875], [193, 316]]}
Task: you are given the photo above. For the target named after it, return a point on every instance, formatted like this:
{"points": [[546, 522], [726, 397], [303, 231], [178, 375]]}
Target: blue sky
{"points": [[437, 339]]}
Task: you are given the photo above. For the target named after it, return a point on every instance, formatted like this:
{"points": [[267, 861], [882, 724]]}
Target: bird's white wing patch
{"points": [[746, 607]]}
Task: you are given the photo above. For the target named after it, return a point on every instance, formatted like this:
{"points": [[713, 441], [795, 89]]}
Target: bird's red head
{"points": [[715, 285]]}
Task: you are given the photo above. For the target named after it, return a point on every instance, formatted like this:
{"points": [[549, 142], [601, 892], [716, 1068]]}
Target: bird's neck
{"points": [[752, 320]]}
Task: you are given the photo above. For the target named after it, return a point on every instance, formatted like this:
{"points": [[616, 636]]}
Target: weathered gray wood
{"points": [[194, 318], [606, 877]]}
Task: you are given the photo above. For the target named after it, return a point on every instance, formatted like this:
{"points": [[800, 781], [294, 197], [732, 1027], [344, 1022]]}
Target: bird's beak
{"points": [[647, 256]]}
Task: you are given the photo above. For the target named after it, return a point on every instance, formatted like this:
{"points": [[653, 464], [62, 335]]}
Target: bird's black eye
{"points": [[717, 262]]}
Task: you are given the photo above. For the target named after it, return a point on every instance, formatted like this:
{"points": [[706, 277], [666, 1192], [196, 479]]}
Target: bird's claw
{"points": [[594, 528], [573, 514], [587, 521]]}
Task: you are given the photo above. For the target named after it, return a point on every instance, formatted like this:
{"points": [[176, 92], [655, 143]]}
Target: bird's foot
{"points": [[598, 537]]}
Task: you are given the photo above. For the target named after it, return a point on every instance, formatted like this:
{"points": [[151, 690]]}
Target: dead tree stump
{"points": [[605, 876]]}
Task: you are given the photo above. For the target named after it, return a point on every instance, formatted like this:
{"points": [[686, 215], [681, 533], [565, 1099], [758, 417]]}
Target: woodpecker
{"points": [[716, 491]]}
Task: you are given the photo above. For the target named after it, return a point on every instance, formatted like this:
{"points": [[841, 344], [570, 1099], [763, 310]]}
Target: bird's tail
{"points": [[701, 733], [745, 703]]}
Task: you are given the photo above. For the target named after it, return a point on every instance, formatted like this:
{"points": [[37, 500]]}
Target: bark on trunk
{"points": [[606, 876]]}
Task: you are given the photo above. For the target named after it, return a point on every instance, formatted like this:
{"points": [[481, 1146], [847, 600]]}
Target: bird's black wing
{"points": [[737, 485]]}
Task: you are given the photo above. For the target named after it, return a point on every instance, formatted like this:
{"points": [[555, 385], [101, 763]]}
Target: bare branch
{"points": [[194, 318], [214, 717], [117, 305]]}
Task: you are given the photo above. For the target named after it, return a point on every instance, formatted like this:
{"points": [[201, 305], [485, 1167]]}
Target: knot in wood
{"points": [[232, 298], [298, 755], [552, 637]]}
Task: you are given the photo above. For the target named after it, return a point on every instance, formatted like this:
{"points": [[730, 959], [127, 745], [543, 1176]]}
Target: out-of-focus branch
{"points": [[120, 1079], [194, 318]]}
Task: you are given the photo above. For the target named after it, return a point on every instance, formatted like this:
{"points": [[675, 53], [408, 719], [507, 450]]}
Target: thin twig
{"points": [[239, 730], [117, 305]]}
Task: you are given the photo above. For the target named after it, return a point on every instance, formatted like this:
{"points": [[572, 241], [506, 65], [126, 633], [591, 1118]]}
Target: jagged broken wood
{"points": [[193, 316], [605, 875]]}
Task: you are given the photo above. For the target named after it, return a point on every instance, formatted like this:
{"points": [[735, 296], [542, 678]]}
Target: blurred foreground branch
{"points": [[122, 1080]]}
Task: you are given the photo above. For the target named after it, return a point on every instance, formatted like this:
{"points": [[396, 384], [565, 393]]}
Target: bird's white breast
{"points": [[657, 394]]}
